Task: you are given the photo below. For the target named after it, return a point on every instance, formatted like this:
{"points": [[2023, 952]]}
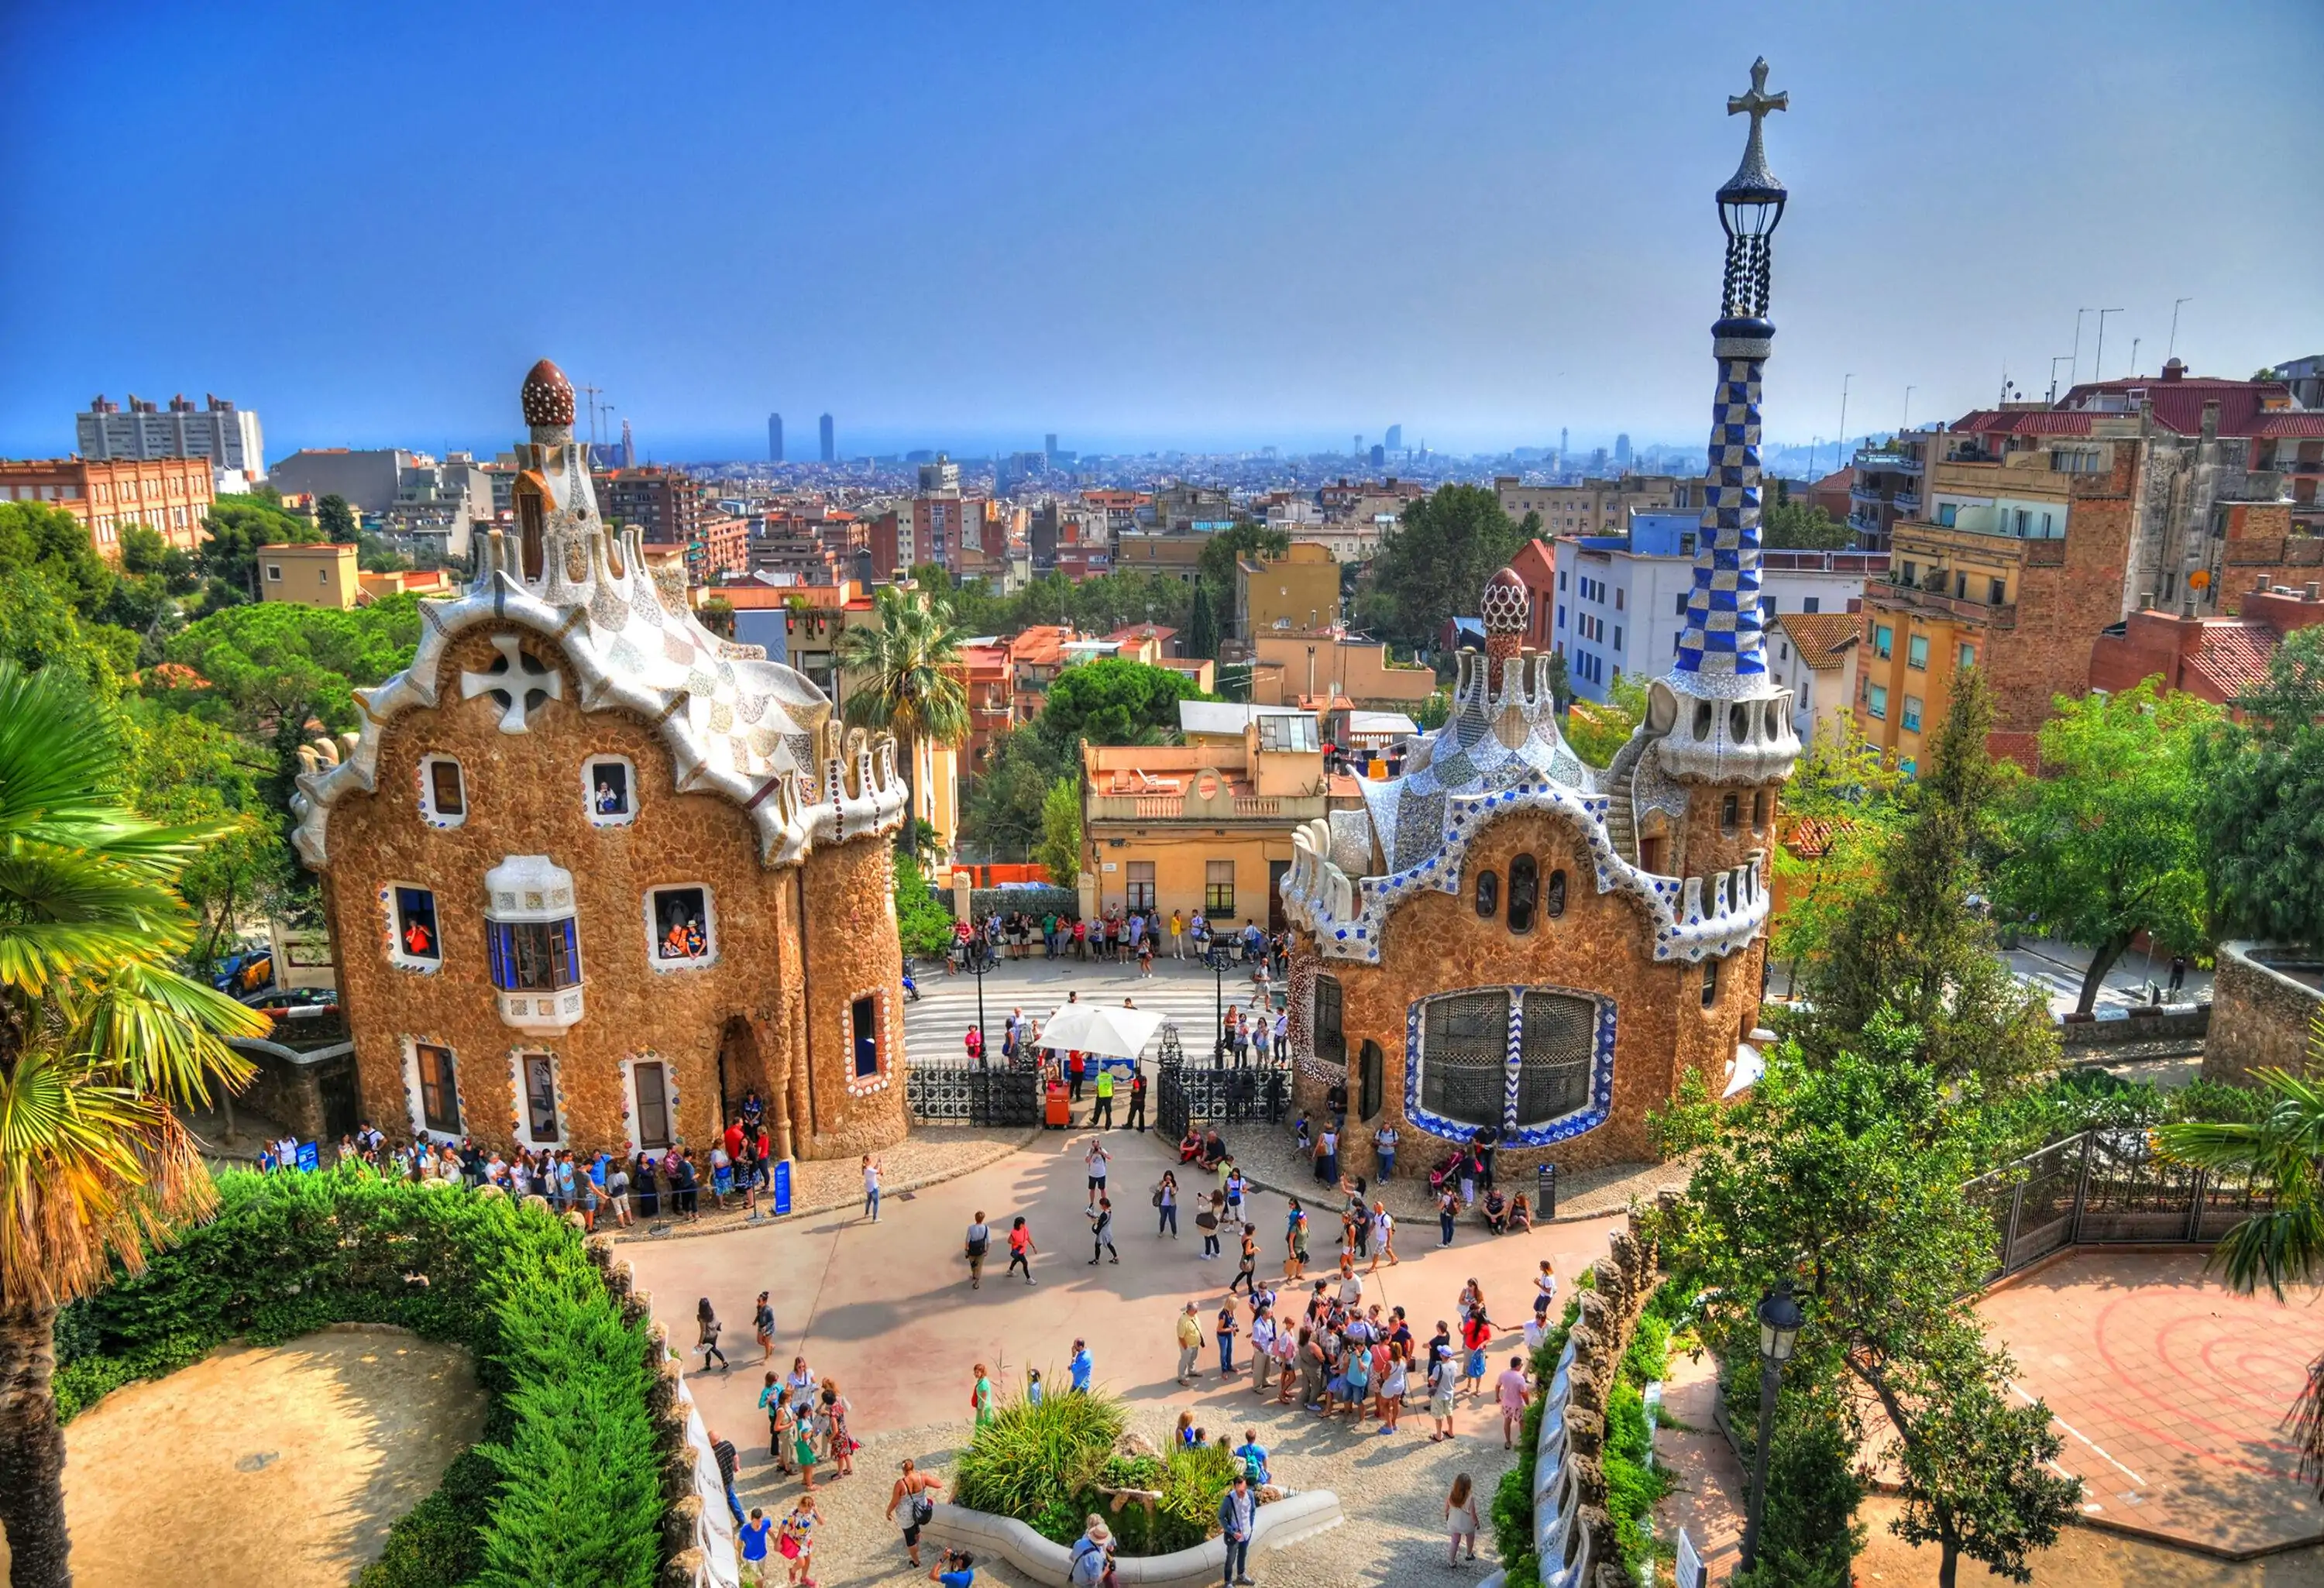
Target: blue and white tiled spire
{"points": [[1722, 652]]}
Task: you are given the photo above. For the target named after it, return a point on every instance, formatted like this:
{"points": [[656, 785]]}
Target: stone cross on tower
{"points": [[516, 682], [1758, 102]]}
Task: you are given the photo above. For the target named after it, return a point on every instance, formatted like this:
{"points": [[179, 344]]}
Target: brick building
{"points": [[592, 873], [2219, 659], [669, 508], [1505, 940], [169, 496]]}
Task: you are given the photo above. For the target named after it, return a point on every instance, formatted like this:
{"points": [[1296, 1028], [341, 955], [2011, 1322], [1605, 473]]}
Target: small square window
{"points": [[273, 573], [439, 1088], [1876, 702], [443, 792], [1884, 642], [1968, 658], [683, 929], [1810, 603], [609, 785], [1912, 713], [1917, 652], [411, 915], [1710, 983], [1218, 887]]}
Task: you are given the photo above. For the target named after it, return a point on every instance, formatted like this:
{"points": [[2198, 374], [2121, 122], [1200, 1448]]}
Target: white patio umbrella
{"points": [[1092, 1028]]}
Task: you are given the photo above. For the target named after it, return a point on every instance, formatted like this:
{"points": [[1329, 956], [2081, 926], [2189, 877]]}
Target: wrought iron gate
{"points": [[955, 1092]]}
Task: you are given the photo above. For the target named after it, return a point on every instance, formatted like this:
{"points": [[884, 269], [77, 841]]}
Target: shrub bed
{"points": [[561, 1489], [1047, 1465]]}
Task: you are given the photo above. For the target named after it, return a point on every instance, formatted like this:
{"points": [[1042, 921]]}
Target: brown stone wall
{"points": [[852, 952], [524, 795], [2260, 1016], [2061, 608], [1603, 944]]}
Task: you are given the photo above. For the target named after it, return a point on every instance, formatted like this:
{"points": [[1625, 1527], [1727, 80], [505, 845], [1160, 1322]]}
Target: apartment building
{"points": [[1597, 507], [364, 479], [169, 496], [991, 683], [326, 573], [438, 505], [2221, 660], [1884, 485], [1297, 593], [1206, 826], [2044, 526], [1619, 605], [228, 436], [1813, 655], [1289, 670]]}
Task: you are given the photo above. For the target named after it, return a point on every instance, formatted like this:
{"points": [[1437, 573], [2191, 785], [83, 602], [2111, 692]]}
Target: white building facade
{"points": [[229, 437]]}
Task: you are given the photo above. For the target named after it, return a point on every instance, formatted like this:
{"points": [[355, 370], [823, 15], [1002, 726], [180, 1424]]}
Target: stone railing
{"points": [[697, 1534], [1574, 1536], [990, 1538]]}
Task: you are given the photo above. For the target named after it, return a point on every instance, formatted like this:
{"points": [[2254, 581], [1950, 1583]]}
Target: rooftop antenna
{"points": [[2173, 348], [2075, 373], [1842, 443], [2054, 376], [2100, 355], [1908, 404], [593, 391], [2134, 357]]}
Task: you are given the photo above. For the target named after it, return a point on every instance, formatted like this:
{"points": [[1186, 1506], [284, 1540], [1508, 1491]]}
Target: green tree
{"points": [[2107, 843], [913, 678], [51, 546], [1433, 565], [99, 1038], [1113, 701], [237, 526], [1844, 1176], [2260, 789], [1836, 811], [923, 926], [1203, 627], [1000, 806], [187, 772], [1598, 729], [1912, 945], [1060, 848], [1800, 526], [336, 519], [277, 663], [2283, 1245]]}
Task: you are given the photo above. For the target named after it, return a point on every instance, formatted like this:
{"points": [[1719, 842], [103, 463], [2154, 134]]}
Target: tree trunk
{"points": [[1949, 1546], [907, 753], [31, 1451], [2101, 961]]}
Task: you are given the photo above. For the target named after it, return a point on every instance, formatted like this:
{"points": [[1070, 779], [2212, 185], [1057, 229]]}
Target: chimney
{"points": [[2212, 419], [2175, 370], [2187, 604], [2147, 600], [2260, 588], [2314, 590]]}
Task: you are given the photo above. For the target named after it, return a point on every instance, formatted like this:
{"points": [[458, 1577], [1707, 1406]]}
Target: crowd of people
{"points": [[1119, 937]]}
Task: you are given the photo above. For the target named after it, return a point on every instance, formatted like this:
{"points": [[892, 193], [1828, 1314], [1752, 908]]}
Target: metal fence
{"points": [[1205, 1096], [2105, 1186], [955, 1092]]}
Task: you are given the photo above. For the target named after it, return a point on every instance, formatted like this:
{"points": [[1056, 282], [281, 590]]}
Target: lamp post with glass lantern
{"points": [[1779, 1331]]}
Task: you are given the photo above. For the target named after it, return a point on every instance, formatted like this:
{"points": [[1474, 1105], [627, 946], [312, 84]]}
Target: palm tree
{"points": [[2284, 1245], [98, 1037], [911, 669]]}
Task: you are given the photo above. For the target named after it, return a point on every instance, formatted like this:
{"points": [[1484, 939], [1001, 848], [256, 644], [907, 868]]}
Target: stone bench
{"points": [[990, 1538]]}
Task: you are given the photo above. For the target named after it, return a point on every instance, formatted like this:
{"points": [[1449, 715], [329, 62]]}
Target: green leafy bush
{"points": [[1046, 1464], [562, 1490]]}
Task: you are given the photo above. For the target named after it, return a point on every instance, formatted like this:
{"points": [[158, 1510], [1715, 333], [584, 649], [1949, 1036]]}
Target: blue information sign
{"points": [[309, 1160], [782, 1186]]}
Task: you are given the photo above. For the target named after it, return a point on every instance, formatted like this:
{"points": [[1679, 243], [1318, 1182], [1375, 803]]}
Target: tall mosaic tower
{"points": [[1722, 652]]}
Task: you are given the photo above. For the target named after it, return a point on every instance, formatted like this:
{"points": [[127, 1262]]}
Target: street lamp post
{"points": [[979, 963], [1779, 1330], [1218, 958]]}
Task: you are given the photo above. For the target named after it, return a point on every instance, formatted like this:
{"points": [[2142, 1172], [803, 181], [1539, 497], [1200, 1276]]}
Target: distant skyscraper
{"points": [[629, 448], [1396, 437], [226, 435], [830, 445], [1049, 448], [1561, 447], [1622, 452], [1598, 461], [774, 438], [1357, 447], [1379, 455]]}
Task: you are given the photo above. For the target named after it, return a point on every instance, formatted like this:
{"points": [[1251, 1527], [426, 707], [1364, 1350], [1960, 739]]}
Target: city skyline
{"points": [[1480, 236]]}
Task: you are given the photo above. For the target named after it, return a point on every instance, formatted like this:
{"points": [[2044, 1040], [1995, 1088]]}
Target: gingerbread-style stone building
{"points": [[1506, 939], [593, 872]]}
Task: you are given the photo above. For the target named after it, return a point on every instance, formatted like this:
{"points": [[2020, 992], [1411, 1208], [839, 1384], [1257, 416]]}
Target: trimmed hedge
{"points": [[561, 1489]]}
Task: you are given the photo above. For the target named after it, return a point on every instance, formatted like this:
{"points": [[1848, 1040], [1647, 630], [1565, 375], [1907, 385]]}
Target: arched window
{"points": [[1554, 901], [1710, 983], [1510, 1059], [1727, 814], [1488, 895], [1370, 1093], [1524, 892], [1464, 1057], [1759, 811], [532, 524]]}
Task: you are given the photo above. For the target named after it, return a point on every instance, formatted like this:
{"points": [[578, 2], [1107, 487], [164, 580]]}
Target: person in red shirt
{"points": [[734, 1142]]}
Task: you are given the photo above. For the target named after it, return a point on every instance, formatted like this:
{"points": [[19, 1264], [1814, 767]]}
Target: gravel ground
{"points": [[1266, 1155], [1392, 1487], [931, 1153]]}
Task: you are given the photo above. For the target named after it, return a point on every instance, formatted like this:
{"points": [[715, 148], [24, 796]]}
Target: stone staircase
{"points": [[1621, 815]]}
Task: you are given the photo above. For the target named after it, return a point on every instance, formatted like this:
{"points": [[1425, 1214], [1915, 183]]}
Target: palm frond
{"points": [[162, 1032], [2306, 1422], [2282, 1245]]}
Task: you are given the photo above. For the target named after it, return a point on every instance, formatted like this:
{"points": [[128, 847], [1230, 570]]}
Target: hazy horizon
{"points": [[1211, 229]]}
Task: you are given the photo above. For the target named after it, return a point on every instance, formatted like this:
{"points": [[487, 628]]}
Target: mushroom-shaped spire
{"points": [[547, 397], [1506, 604]]}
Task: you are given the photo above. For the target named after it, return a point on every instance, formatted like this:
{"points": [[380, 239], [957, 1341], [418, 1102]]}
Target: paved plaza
{"points": [[2171, 1392]]}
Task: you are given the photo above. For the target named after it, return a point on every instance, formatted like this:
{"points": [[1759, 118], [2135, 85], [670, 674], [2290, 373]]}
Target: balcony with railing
{"points": [[1901, 463], [1999, 614], [1858, 491], [1173, 807], [1905, 501], [1864, 523]]}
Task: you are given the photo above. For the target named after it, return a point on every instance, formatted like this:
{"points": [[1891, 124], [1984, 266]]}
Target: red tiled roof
{"points": [[2290, 424], [2234, 656], [2029, 421], [1819, 635]]}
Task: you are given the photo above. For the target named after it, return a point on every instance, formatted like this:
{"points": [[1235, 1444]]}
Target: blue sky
{"points": [[1203, 225]]}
